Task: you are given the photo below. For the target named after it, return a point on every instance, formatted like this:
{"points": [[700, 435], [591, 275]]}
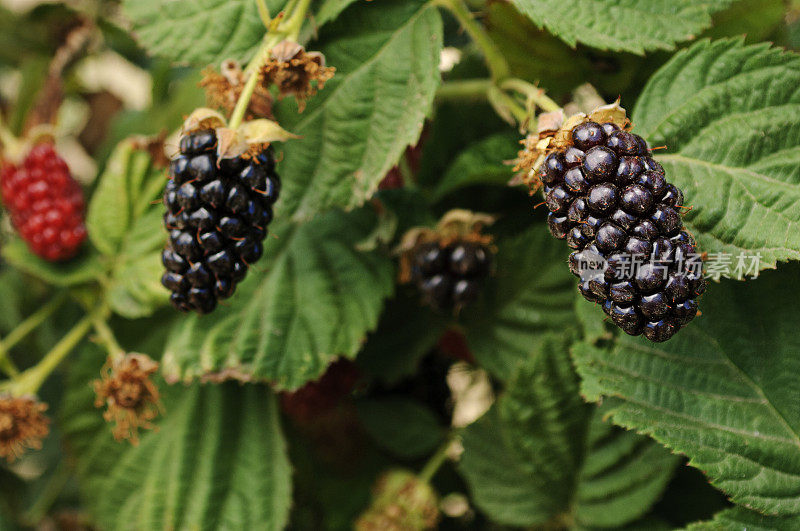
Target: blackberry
{"points": [[217, 216], [450, 276], [612, 203]]}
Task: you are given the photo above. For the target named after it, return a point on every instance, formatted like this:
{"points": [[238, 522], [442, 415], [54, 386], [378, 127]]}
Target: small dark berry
{"points": [[637, 200], [650, 277], [667, 220], [575, 180], [553, 169], [573, 157], [623, 219], [654, 182], [588, 135], [600, 164], [660, 331], [610, 237], [654, 306], [558, 200], [602, 198]]}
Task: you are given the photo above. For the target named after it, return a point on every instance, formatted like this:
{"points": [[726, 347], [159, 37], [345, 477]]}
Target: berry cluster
{"points": [[217, 217], [450, 277], [611, 202], [46, 204]]}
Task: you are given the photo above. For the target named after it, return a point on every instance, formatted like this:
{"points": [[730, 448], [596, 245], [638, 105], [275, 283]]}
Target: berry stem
{"points": [[498, 66], [437, 459], [507, 107], [30, 381], [25, 328]]}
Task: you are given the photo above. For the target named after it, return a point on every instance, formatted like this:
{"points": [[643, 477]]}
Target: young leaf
{"points": [[318, 299], [727, 114], [532, 293], [484, 162], [543, 455], [623, 25], [739, 518], [723, 391], [386, 58], [199, 32], [126, 226], [185, 475]]}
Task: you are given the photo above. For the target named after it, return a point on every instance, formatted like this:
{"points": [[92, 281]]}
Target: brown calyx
{"points": [[23, 425], [131, 398], [294, 71]]}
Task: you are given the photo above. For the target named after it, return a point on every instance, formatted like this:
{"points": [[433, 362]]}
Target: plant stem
{"points": [[532, 92], [289, 28], [30, 381], [107, 337], [436, 461], [25, 328], [469, 89], [498, 66], [263, 13]]}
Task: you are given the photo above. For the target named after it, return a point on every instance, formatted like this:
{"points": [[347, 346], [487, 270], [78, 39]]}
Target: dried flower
{"points": [[224, 88], [23, 425], [293, 70], [400, 502], [129, 394]]}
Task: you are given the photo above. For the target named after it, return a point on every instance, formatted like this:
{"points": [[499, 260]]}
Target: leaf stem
{"points": [[30, 381], [437, 460], [23, 329], [263, 13], [498, 66]]}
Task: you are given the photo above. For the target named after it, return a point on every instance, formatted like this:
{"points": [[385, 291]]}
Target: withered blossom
{"points": [[293, 70], [223, 89], [129, 395], [23, 425]]}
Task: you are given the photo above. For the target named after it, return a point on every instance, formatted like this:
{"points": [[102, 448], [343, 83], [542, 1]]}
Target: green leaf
{"points": [[199, 31], [542, 455], [485, 162], [401, 426], [318, 299], [755, 20], [330, 9], [218, 460], [623, 25], [84, 268], [556, 67], [727, 114], [723, 391], [386, 58], [125, 225], [531, 293], [738, 519]]}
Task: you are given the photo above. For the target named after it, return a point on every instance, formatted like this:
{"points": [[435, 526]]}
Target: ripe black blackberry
{"points": [[450, 276], [612, 203], [217, 217]]}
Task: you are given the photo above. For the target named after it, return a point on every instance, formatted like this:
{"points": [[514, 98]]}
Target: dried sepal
{"points": [[455, 226], [250, 139], [554, 133], [155, 146], [293, 71], [224, 88], [23, 425], [203, 118], [129, 395]]}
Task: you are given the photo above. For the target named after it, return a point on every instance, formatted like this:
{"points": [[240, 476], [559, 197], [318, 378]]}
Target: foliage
{"points": [[522, 409]]}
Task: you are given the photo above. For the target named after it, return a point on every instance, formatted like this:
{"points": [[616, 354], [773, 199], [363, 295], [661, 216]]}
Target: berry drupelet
{"points": [[217, 217], [450, 277], [610, 200], [45, 203]]}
